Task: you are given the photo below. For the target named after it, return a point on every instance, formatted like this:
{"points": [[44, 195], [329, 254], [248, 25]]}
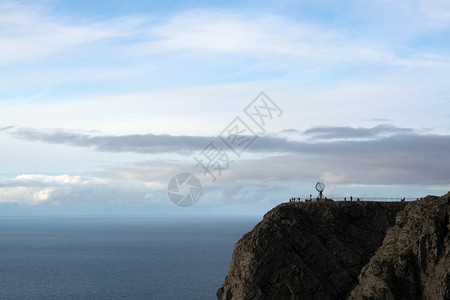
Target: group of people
{"points": [[351, 199], [298, 199]]}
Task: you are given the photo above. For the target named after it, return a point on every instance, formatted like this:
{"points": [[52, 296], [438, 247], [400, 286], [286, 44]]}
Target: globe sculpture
{"points": [[320, 186]]}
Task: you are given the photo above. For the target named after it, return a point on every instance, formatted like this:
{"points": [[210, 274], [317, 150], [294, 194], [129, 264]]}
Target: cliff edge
{"points": [[344, 250]]}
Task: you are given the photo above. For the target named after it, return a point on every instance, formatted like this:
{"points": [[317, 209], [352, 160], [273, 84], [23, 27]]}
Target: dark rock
{"points": [[308, 250], [414, 260]]}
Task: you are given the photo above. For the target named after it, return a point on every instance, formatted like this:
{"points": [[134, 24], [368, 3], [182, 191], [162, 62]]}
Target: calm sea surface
{"points": [[116, 258]]}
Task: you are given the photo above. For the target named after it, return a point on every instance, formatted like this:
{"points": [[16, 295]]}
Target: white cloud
{"points": [[426, 15], [54, 180], [274, 39], [29, 33], [25, 195], [38, 189]]}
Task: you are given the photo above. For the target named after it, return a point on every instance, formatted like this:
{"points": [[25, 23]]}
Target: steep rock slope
{"points": [[414, 260], [308, 250]]}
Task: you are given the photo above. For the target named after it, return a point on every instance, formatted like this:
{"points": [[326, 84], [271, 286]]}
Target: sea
{"points": [[116, 257]]}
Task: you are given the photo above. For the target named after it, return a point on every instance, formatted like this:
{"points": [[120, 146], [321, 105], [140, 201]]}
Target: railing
{"points": [[356, 199], [381, 199]]}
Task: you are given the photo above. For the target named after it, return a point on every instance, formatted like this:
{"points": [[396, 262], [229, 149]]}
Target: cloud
{"points": [[139, 143], [327, 133], [383, 138], [390, 157], [378, 155], [275, 38], [6, 128], [52, 58], [32, 32], [424, 15], [409, 162], [40, 189], [341, 167], [290, 131], [25, 195]]}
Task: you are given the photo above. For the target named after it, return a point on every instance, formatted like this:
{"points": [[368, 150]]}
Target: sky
{"points": [[102, 103]]}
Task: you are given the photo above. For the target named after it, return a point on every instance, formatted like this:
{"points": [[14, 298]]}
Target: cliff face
{"points": [[340, 250], [414, 260], [308, 250]]}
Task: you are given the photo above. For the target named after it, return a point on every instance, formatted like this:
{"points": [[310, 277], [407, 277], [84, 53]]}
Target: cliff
{"points": [[414, 260], [344, 250]]}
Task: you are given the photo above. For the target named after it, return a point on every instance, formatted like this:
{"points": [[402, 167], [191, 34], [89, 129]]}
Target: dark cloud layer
{"points": [[402, 143], [400, 158], [139, 143], [326, 133]]}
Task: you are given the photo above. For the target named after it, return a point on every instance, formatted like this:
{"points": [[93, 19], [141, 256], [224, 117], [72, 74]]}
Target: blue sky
{"points": [[103, 102]]}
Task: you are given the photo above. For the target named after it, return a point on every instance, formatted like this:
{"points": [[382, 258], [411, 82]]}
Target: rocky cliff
{"points": [[345, 250]]}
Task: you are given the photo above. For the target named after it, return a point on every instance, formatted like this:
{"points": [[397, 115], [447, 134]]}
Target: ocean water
{"points": [[116, 257]]}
